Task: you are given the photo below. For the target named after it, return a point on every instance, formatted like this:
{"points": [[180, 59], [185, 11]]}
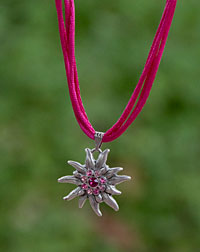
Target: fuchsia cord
{"points": [[143, 88]]}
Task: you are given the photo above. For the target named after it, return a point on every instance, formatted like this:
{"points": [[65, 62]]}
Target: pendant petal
{"points": [[112, 190], [99, 198], [112, 171], [104, 170], [73, 194], [95, 205], [79, 167], [110, 201], [77, 174], [70, 180], [90, 162], [118, 179], [82, 200], [101, 161]]}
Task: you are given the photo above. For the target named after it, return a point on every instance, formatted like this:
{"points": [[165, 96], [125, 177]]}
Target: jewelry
{"points": [[95, 180]]}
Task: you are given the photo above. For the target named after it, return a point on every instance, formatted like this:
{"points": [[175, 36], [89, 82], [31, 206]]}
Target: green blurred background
{"points": [[160, 207]]}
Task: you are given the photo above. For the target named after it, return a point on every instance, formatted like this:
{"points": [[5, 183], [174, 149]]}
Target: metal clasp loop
{"points": [[98, 141]]}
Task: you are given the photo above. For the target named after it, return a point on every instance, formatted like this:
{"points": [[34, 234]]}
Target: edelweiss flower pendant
{"points": [[95, 181]]}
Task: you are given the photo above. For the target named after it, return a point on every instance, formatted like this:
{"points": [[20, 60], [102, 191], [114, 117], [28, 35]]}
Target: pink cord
{"points": [[143, 88]]}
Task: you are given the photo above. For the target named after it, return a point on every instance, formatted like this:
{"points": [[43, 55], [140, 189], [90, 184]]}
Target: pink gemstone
{"points": [[102, 187], [84, 179], [97, 173], [96, 191], [85, 187], [102, 180], [93, 182], [89, 173], [89, 191]]}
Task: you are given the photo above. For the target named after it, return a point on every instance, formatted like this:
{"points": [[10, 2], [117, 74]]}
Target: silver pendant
{"points": [[95, 180]]}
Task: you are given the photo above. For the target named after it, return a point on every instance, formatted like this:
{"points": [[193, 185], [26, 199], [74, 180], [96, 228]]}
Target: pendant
{"points": [[95, 180]]}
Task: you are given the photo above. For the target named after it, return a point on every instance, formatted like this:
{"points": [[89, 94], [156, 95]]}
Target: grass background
{"points": [[160, 208]]}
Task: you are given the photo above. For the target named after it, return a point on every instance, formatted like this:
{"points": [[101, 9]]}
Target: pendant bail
{"points": [[98, 136]]}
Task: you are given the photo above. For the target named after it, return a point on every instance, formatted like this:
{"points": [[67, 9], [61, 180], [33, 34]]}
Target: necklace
{"points": [[95, 180]]}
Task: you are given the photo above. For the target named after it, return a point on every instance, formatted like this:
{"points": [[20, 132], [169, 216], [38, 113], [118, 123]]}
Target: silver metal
{"points": [[95, 180], [98, 136]]}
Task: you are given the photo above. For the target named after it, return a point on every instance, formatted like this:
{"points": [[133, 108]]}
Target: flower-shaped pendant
{"points": [[95, 181]]}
